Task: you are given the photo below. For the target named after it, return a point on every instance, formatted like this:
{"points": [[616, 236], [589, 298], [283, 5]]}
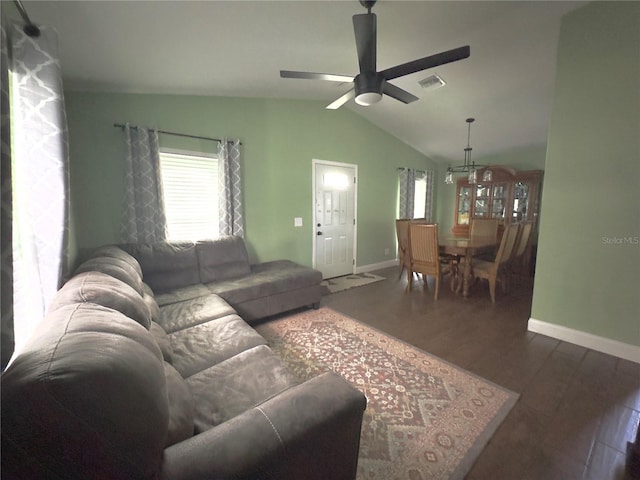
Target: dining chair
{"points": [[497, 270], [402, 233], [484, 228], [424, 255], [519, 263], [522, 242]]}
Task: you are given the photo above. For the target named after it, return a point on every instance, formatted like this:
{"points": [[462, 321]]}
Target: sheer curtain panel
{"points": [[144, 218], [428, 201], [6, 255], [230, 188], [407, 182], [415, 192], [40, 174]]}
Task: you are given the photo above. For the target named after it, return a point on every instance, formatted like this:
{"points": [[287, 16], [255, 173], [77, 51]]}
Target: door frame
{"points": [[314, 230]]}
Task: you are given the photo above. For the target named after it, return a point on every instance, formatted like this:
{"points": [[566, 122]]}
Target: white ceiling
{"points": [[237, 48]]}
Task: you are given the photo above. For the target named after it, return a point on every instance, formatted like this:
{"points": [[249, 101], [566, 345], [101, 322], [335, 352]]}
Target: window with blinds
{"points": [[190, 184], [420, 198]]}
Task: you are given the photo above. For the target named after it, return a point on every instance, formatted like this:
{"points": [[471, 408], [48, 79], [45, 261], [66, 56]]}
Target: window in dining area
{"points": [[415, 192]]}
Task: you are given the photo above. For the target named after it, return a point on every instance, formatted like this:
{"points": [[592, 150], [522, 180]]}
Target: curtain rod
{"points": [[120, 125], [30, 28]]}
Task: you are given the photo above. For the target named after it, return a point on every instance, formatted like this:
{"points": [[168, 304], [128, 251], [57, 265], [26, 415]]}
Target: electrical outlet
{"points": [[386, 252]]}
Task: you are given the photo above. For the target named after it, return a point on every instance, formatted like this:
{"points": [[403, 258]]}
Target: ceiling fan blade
{"points": [[426, 62], [316, 76], [364, 27], [342, 100], [398, 93]]}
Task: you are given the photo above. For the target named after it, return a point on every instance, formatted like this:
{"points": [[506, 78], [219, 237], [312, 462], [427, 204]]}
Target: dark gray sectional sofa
{"points": [[145, 367], [180, 271]]}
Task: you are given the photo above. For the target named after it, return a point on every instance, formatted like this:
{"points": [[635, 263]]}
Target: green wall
{"points": [[588, 275], [280, 138]]}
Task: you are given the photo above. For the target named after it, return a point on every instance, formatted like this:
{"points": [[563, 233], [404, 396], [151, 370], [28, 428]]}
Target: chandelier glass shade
{"points": [[469, 166]]}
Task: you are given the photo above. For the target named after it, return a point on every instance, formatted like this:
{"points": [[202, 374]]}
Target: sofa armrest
{"points": [[309, 431]]}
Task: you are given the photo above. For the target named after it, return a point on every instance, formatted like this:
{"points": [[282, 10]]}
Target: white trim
{"points": [[376, 266], [585, 339], [315, 162]]}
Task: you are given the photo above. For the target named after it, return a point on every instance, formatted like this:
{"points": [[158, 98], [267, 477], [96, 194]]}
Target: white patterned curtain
{"points": [[40, 171], [230, 188], [428, 201], [144, 218], [6, 257], [406, 185]]}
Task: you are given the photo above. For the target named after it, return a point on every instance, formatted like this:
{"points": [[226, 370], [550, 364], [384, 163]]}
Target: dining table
{"points": [[465, 248]]}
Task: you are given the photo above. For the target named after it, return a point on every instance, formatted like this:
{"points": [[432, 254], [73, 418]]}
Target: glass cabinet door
{"points": [[464, 205], [481, 207], [499, 200], [520, 202]]}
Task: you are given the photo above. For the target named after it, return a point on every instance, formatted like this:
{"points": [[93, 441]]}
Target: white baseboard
{"points": [[377, 266], [588, 340]]}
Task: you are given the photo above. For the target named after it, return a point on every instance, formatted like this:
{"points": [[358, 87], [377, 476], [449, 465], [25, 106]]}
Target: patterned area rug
{"points": [[425, 418], [333, 285]]}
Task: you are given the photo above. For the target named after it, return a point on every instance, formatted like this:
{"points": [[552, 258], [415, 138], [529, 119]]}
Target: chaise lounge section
{"points": [[183, 270], [113, 385]]}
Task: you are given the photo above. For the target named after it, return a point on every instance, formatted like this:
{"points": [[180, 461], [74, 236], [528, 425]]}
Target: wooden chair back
{"points": [[423, 245], [523, 239], [423, 252], [484, 227], [506, 245], [497, 270]]}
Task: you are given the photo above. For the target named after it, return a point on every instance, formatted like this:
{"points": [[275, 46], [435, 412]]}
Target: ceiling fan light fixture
{"points": [[368, 88], [368, 98]]}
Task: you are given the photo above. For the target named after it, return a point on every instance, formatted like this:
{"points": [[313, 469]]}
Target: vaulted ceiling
{"points": [[237, 48]]}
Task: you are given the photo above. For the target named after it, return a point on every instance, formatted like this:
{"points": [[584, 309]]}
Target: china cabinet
{"points": [[511, 197]]}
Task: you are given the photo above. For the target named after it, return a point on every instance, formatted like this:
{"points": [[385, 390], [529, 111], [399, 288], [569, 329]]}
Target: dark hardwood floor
{"points": [[577, 407]]}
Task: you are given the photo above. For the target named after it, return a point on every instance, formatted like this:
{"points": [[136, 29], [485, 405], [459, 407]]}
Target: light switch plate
{"points": [[297, 222]]}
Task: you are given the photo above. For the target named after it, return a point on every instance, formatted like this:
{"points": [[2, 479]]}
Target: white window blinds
{"points": [[420, 197], [190, 184]]}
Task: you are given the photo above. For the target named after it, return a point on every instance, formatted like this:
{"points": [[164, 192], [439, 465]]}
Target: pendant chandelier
{"points": [[468, 166]]}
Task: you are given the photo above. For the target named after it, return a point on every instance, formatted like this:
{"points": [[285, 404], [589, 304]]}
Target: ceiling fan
{"points": [[369, 84]]}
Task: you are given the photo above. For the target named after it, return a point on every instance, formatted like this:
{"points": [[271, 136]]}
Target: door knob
{"points": [[319, 233]]}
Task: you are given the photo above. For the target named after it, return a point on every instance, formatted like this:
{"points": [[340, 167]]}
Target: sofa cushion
{"points": [[223, 258], [237, 384], [116, 268], [181, 294], [266, 279], [87, 393], [105, 290], [177, 316], [181, 410], [202, 346], [166, 266], [150, 300], [163, 341], [117, 252]]}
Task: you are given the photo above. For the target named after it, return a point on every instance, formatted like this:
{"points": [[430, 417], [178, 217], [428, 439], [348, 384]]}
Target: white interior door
{"points": [[334, 218]]}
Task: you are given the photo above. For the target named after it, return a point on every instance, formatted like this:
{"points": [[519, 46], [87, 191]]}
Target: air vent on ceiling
{"points": [[432, 82]]}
